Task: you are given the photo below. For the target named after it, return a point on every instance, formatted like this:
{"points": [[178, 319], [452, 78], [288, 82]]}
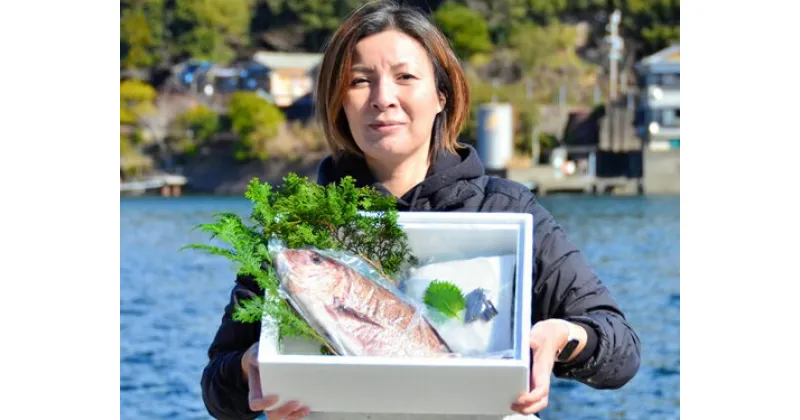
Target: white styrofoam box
{"points": [[469, 386]]}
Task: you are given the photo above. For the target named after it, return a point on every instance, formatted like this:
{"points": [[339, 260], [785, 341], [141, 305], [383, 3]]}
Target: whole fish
{"points": [[361, 317]]}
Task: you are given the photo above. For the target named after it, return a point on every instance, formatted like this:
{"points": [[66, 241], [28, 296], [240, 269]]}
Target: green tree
{"points": [[203, 122], [313, 14], [209, 29], [467, 29], [141, 33], [647, 25], [652, 24], [136, 100], [541, 49], [313, 20], [546, 11], [195, 127], [499, 15], [137, 103], [256, 122]]}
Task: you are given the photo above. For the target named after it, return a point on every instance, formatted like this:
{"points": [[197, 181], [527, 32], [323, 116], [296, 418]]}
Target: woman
{"points": [[392, 98]]}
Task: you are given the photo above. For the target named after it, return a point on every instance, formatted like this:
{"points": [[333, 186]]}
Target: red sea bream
{"points": [[360, 317]]}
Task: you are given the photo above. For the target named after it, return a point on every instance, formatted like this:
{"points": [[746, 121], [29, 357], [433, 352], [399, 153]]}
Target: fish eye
{"points": [[316, 259]]}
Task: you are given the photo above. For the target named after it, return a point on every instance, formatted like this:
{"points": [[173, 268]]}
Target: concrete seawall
{"points": [[661, 176], [662, 172]]}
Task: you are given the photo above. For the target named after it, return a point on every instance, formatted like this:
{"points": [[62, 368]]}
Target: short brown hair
{"points": [[334, 72]]}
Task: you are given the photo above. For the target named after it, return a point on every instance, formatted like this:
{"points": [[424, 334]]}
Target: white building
{"points": [[658, 113]]}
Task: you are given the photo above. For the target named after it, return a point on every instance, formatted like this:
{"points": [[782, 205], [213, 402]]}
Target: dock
{"points": [[168, 185], [544, 180], [661, 176]]}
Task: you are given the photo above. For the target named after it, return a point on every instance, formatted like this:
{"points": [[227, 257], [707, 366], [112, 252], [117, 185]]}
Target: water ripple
{"points": [[171, 302]]}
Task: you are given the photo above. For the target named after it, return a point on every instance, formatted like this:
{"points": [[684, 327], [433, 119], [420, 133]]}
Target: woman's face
{"points": [[391, 101]]}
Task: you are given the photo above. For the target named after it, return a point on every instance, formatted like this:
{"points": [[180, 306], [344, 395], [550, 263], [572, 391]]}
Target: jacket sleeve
{"points": [[566, 287], [224, 388]]}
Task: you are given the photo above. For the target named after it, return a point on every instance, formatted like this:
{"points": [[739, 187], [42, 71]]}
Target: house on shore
{"points": [[658, 114], [291, 75]]}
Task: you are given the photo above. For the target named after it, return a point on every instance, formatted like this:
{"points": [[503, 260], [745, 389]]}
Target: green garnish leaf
{"points": [[446, 298], [301, 213]]}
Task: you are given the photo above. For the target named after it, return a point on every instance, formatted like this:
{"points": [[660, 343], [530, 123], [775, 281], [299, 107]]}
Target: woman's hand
{"points": [[259, 402], [547, 338]]}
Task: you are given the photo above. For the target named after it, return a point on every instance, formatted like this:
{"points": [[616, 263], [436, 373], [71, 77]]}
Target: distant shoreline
{"points": [[220, 177]]}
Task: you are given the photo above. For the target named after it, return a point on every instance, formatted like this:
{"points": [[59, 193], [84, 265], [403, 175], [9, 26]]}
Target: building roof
{"points": [[667, 59], [286, 60]]}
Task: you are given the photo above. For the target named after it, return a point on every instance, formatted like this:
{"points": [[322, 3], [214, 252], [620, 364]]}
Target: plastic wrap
{"points": [[359, 312], [352, 306], [484, 327]]}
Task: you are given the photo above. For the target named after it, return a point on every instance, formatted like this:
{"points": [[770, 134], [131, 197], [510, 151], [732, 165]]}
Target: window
{"points": [[664, 80], [670, 118], [671, 80]]}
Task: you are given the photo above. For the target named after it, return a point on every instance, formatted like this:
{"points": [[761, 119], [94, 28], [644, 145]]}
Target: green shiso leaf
{"points": [[446, 298]]}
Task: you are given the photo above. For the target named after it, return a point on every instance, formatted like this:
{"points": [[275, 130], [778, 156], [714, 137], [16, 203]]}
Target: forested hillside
{"points": [[157, 33], [525, 52]]}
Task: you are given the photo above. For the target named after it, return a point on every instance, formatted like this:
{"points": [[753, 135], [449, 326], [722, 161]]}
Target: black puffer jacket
{"points": [[565, 286]]}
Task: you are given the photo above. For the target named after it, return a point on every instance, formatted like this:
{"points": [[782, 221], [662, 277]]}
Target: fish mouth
{"points": [[282, 266]]}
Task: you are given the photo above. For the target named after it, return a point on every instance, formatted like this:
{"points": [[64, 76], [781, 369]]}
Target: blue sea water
{"points": [[171, 302]]}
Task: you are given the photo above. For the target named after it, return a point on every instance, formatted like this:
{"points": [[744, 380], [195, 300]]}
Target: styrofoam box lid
{"points": [[340, 384]]}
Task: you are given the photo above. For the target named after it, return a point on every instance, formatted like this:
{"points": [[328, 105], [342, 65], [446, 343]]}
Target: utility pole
{"points": [[614, 56]]}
